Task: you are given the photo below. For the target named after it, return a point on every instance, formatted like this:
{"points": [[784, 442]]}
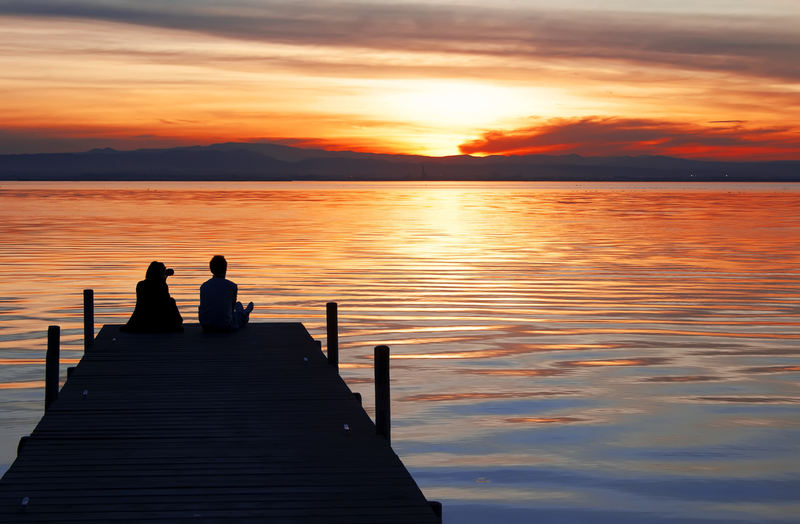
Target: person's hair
{"points": [[155, 271], [218, 265]]}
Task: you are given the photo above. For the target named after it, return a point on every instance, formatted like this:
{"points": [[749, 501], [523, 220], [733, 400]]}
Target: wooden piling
{"points": [[383, 419], [332, 314], [51, 365], [88, 318], [436, 506]]}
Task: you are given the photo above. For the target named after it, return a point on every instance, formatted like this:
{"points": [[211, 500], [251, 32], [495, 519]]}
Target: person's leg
{"points": [[241, 315]]}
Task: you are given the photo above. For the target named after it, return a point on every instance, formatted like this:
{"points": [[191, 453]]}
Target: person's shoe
{"points": [[249, 308]]}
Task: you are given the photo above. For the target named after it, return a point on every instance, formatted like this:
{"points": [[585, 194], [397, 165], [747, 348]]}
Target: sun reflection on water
{"points": [[560, 340]]}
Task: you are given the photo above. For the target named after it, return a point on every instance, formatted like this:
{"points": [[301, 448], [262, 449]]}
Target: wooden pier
{"points": [[254, 425]]}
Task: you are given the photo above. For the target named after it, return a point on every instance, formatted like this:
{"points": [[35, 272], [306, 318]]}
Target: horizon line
{"points": [[357, 151]]}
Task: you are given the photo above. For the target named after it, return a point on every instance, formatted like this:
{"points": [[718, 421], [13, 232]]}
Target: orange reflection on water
{"points": [[751, 352], [687, 378], [33, 361], [473, 287], [574, 347], [480, 353], [759, 422], [32, 384], [426, 329], [502, 352], [473, 396], [350, 365], [519, 372], [360, 381], [751, 400], [544, 420], [411, 341], [647, 361], [670, 332]]}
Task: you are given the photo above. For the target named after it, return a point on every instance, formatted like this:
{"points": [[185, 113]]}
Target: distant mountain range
{"points": [[265, 161]]}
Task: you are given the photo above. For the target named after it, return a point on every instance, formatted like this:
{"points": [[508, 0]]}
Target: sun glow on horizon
{"points": [[464, 105], [486, 81]]}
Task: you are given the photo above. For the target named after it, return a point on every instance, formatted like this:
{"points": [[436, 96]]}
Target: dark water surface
{"points": [[585, 352]]}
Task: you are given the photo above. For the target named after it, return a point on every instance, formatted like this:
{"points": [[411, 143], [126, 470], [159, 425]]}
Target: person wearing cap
{"points": [[219, 309], [155, 310]]}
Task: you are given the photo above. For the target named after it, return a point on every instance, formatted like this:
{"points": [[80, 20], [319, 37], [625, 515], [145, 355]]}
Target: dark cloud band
{"points": [[765, 46]]}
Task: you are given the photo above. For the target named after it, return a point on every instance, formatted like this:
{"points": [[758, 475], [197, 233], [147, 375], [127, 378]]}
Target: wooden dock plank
{"points": [[238, 427]]}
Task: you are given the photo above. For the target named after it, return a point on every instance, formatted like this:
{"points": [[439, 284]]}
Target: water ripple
{"points": [[603, 345]]}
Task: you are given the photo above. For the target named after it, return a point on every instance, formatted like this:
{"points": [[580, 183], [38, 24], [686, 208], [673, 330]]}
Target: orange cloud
{"points": [[610, 136], [755, 42]]}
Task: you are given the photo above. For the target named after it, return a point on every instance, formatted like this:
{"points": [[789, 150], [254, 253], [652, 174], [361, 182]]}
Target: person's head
{"points": [[218, 266], [156, 271]]}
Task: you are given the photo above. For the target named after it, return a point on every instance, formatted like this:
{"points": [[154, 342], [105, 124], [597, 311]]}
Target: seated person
{"points": [[219, 310], [155, 311]]}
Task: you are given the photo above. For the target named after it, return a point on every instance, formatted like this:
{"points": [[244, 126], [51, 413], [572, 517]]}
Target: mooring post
{"points": [[383, 418], [436, 506], [332, 317], [51, 365], [88, 318]]}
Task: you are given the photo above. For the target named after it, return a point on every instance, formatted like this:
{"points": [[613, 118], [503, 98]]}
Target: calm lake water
{"points": [[583, 352]]}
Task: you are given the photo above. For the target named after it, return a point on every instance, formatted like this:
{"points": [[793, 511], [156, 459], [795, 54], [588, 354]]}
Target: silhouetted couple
{"points": [[157, 312]]}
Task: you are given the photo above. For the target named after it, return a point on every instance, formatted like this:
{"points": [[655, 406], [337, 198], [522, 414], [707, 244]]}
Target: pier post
{"points": [[88, 318], [332, 317], [383, 418], [436, 506], [51, 365]]}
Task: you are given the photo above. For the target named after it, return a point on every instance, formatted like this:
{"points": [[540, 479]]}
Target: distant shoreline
{"points": [[248, 162]]}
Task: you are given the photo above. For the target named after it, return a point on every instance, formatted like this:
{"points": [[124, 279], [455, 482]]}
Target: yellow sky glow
{"points": [[139, 85]]}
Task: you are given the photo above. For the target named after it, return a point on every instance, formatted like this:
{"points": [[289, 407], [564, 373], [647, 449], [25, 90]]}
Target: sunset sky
{"points": [[691, 78]]}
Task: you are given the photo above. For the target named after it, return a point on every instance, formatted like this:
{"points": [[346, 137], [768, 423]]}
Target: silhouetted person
{"points": [[219, 310], [155, 311]]}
